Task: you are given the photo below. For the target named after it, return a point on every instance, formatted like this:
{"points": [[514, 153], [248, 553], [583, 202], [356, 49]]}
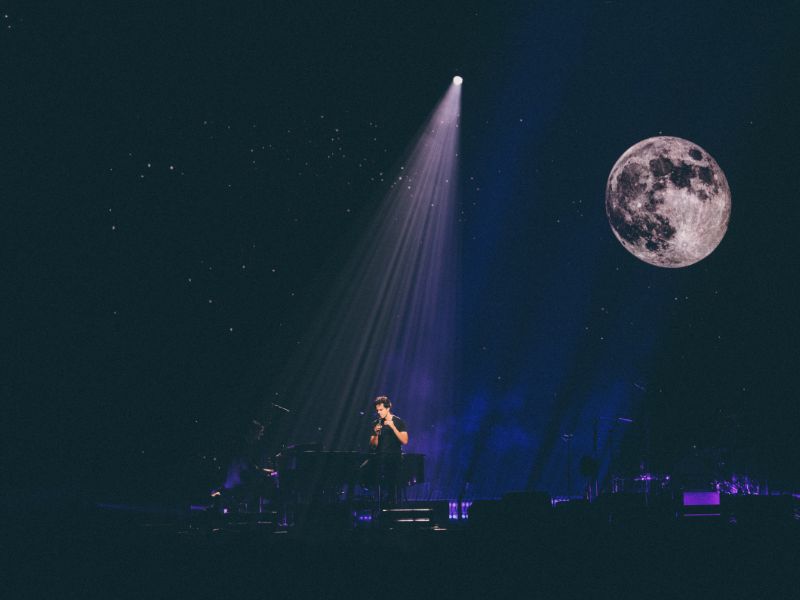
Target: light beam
{"points": [[388, 326]]}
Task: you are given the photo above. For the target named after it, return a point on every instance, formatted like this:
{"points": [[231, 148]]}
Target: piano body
{"points": [[308, 472]]}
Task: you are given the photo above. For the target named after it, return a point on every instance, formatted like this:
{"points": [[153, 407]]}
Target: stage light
{"points": [[458, 80], [387, 323]]}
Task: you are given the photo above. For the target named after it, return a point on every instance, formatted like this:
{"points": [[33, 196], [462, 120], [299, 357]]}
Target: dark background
{"points": [[181, 183]]}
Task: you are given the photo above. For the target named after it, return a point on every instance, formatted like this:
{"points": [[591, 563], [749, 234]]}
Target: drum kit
{"points": [[738, 485], [723, 468], [654, 484], [641, 483]]}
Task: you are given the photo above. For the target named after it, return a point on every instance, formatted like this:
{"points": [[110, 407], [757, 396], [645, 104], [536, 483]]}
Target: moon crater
{"points": [[668, 202]]}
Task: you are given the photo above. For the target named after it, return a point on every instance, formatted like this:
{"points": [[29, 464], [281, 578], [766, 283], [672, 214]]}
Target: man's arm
{"points": [[373, 439], [401, 435]]}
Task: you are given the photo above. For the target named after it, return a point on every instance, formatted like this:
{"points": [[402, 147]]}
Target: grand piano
{"points": [[307, 472]]}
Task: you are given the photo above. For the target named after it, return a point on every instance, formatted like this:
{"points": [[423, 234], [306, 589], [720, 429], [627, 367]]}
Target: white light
{"points": [[457, 80]]}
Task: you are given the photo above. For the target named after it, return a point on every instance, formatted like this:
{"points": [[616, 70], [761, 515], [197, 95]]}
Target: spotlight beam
{"points": [[388, 325]]}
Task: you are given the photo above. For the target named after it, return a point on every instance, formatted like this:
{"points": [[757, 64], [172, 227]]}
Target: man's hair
{"points": [[383, 400]]}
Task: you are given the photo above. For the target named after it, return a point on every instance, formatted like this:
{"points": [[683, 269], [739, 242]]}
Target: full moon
{"points": [[668, 202]]}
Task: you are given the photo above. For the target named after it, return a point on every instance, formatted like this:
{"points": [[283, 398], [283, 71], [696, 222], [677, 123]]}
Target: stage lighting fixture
{"points": [[458, 80]]}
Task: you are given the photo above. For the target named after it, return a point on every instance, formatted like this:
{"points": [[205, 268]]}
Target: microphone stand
{"points": [[567, 437], [613, 421], [379, 470]]}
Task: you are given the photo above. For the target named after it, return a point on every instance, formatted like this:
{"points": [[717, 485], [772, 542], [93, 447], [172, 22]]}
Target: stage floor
{"points": [[111, 554]]}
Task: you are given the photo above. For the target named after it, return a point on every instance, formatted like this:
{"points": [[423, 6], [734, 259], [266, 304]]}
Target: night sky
{"points": [[183, 184]]}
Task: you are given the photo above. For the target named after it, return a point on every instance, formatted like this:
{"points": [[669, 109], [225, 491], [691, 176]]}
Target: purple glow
{"points": [[233, 477], [700, 499], [453, 512], [362, 517], [459, 510]]}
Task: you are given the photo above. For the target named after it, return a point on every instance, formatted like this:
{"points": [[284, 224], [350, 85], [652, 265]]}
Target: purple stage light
{"points": [[701, 498], [387, 326], [453, 510]]}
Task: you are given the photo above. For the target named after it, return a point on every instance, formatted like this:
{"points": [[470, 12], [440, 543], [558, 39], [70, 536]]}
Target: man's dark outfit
{"points": [[387, 458]]}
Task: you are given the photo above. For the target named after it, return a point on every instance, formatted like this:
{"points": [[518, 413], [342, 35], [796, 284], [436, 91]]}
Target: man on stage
{"points": [[388, 437]]}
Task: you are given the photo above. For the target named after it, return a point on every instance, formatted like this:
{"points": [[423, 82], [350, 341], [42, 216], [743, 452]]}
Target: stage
{"points": [[520, 544]]}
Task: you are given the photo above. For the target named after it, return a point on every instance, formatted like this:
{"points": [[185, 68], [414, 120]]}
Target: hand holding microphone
{"points": [[385, 421]]}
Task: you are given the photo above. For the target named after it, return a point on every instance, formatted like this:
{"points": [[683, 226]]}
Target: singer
{"points": [[388, 442], [388, 437]]}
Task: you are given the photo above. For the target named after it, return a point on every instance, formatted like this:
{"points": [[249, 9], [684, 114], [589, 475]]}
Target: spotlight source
{"points": [[458, 80]]}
